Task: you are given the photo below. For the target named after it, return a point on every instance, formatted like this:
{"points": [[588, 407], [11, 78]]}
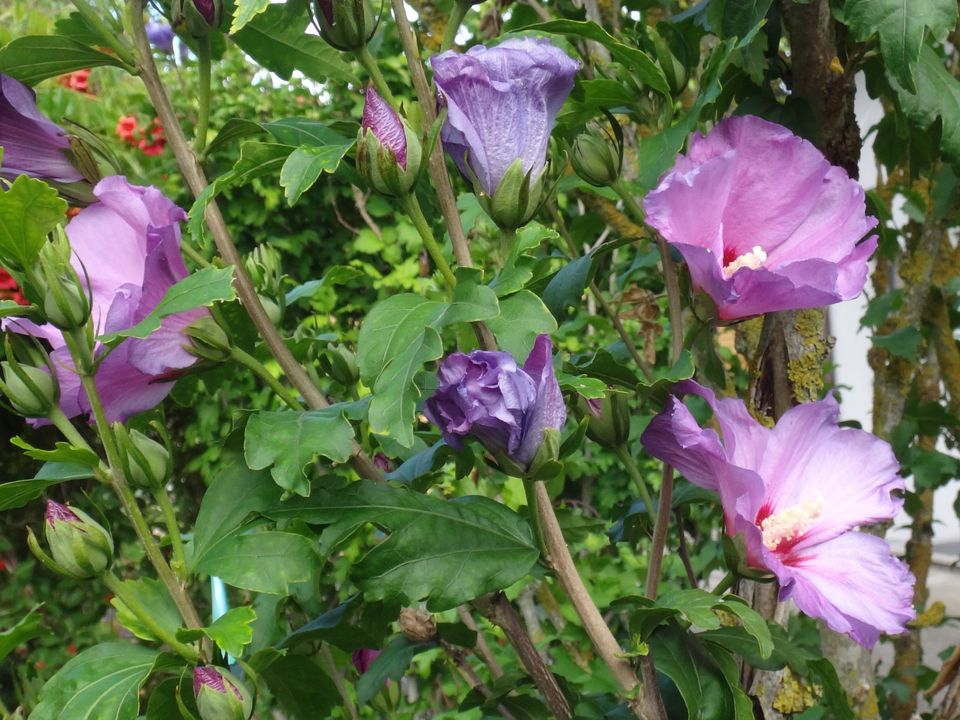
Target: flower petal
{"points": [[853, 583], [548, 410]]}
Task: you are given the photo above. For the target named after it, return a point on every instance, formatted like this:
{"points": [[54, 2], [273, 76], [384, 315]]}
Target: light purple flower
{"points": [[485, 395], [763, 220], [502, 103], [127, 248], [382, 120], [796, 492], [160, 36], [32, 144]]}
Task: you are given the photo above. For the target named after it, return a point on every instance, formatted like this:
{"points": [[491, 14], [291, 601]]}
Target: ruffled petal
{"points": [[548, 410], [853, 583]]}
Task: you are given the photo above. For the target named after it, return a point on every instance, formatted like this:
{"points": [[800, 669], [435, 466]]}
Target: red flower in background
{"points": [[127, 129], [9, 290], [149, 138], [79, 80]]}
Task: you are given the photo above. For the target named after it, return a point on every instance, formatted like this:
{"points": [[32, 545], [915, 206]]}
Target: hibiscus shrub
{"points": [[474, 365]]}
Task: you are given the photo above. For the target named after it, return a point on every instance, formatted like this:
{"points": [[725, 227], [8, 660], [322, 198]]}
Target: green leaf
{"points": [[29, 210], [738, 17], [64, 453], [395, 394], [304, 690], [266, 561], [696, 605], [336, 275], [152, 596], [33, 58], [634, 59], [903, 342], [27, 628], [834, 695], [390, 664], [200, 289], [102, 682], [522, 317], [304, 165], [566, 288], [245, 12], [276, 39], [11, 308], [937, 96], [485, 545], [753, 623], [234, 129], [19, 492], [298, 131], [901, 25], [286, 442], [232, 631]]}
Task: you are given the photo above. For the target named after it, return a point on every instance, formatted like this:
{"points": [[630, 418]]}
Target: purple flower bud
{"points": [[56, 512], [363, 659], [220, 695], [80, 546], [160, 36], [382, 120], [207, 10], [763, 220], [326, 7], [347, 24], [502, 103], [32, 144], [508, 409]]}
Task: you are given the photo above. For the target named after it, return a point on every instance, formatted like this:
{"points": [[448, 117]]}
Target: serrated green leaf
{"points": [[901, 26], [63, 453], [153, 597], [200, 289], [937, 96], [485, 545], [102, 682], [19, 492], [266, 561], [29, 210], [33, 58], [287, 441], [522, 317], [246, 11], [903, 342], [232, 631], [304, 165]]}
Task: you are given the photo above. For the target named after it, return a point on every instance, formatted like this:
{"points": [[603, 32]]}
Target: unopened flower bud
{"points": [[608, 419], [516, 198], [197, 17], [597, 156], [340, 364], [65, 302], [674, 70], [32, 391], [146, 463], [272, 309], [208, 340], [346, 24], [265, 269], [220, 695], [80, 546], [388, 150], [417, 625], [363, 659]]}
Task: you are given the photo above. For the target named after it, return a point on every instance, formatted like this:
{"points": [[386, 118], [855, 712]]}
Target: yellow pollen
{"points": [[753, 260], [790, 523]]}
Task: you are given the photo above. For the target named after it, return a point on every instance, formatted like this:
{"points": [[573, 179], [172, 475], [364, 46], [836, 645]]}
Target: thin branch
{"points": [[470, 675], [483, 650]]}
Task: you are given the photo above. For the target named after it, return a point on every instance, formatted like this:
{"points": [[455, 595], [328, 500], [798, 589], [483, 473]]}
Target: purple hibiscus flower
{"points": [[160, 36], [32, 144], [127, 248], [796, 492], [502, 103], [485, 395], [763, 220]]}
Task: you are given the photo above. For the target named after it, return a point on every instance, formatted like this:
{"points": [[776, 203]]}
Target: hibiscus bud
{"points": [[388, 150], [346, 24], [197, 17], [80, 546], [265, 269], [516, 198], [608, 419], [673, 69], [146, 463], [220, 695], [66, 304], [340, 364], [509, 409], [208, 340], [597, 156], [417, 625], [271, 308], [32, 391], [363, 659]]}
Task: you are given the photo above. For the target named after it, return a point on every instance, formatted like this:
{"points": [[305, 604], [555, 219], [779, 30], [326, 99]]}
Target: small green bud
{"points": [[146, 463], [340, 363], [80, 546], [597, 157], [608, 419], [265, 269], [347, 24], [516, 198], [673, 69], [220, 695], [208, 340], [32, 391], [273, 310], [65, 302], [197, 18]]}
